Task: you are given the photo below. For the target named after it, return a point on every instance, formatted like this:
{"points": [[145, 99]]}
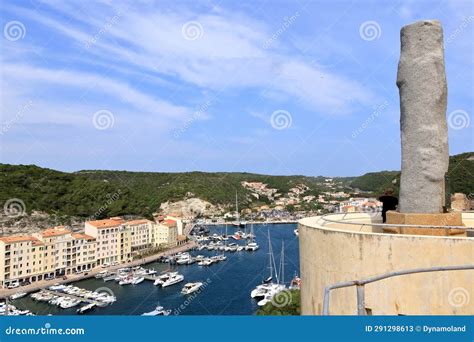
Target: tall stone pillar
{"points": [[424, 134]]}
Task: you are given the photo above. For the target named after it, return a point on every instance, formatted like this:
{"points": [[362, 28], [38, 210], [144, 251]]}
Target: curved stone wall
{"points": [[336, 252]]}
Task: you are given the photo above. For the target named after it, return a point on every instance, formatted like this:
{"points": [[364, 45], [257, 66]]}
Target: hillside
{"points": [[460, 173], [113, 193]]}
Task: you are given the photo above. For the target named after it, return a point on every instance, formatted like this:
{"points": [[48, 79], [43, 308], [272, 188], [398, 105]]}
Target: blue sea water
{"points": [[227, 284]]}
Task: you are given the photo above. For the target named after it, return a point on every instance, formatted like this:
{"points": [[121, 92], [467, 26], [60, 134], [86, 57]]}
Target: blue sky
{"points": [[274, 87]]}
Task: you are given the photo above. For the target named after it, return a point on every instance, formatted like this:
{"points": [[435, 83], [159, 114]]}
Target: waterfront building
{"points": [[165, 233], [140, 234], [58, 251], [113, 239], [22, 259]]}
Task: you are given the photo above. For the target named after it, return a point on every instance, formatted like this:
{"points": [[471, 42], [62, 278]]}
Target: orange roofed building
{"points": [[58, 251], [52, 252]]}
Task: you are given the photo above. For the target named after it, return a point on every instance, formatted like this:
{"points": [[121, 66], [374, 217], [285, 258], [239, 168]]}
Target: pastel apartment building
{"points": [[58, 251], [52, 252]]}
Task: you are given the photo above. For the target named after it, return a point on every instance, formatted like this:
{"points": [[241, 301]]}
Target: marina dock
{"points": [[70, 296]]}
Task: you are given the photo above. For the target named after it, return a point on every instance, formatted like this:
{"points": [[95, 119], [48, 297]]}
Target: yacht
{"points": [[266, 291], [205, 262], [174, 279], [18, 295], [274, 290], [221, 257], [57, 287], [85, 308], [237, 222], [268, 287], [101, 274], [159, 311], [109, 277], [232, 247], [69, 303], [137, 280], [164, 277], [126, 281], [191, 287], [251, 246], [149, 271], [183, 259]]}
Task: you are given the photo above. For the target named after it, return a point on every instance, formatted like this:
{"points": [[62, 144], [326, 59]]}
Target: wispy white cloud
{"points": [[228, 54]]}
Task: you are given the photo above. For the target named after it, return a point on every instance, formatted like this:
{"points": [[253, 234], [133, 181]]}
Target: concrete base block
{"points": [[444, 219]]}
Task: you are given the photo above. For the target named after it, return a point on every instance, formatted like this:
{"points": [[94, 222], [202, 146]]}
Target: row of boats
{"points": [[231, 247], [11, 310], [69, 296]]}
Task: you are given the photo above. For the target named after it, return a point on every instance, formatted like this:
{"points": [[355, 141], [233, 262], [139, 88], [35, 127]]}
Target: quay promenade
{"points": [[36, 286]]}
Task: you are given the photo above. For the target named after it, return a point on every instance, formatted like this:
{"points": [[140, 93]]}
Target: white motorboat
{"points": [[183, 260], [110, 277], [149, 271], [126, 281], [262, 290], [85, 308], [164, 277], [199, 257], [57, 287], [174, 279], [18, 295], [101, 274], [240, 248], [137, 280], [159, 311], [252, 246], [296, 232], [191, 287], [221, 257], [232, 247], [205, 262], [69, 303]]}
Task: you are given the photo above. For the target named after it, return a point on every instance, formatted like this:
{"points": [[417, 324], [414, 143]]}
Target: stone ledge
{"points": [[442, 219]]}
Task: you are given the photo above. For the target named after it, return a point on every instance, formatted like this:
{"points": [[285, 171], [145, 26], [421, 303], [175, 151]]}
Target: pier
{"points": [[70, 296]]}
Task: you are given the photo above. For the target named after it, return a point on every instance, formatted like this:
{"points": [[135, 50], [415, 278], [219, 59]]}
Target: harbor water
{"points": [[227, 284]]}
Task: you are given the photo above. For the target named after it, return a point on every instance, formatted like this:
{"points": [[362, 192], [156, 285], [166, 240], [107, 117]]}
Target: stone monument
{"points": [[422, 84]]}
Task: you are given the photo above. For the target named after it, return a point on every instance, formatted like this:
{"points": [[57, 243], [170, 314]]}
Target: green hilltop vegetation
{"points": [[460, 175], [112, 193]]}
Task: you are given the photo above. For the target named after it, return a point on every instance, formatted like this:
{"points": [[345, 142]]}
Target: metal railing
{"points": [[383, 225], [360, 284]]}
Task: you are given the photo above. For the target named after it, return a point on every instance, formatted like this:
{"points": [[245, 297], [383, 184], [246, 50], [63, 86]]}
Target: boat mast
{"points": [[282, 263], [270, 255], [237, 208]]}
